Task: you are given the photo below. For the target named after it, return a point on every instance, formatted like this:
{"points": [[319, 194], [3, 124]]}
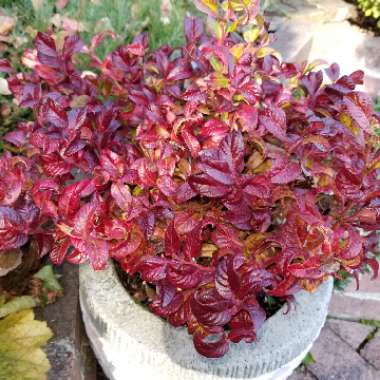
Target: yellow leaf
{"points": [[375, 165], [21, 356], [237, 51], [255, 160], [265, 166], [347, 121], [263, 52], [253, 242], [233, 26], [207, 6], [324, 180], [312, 65], [251, 35], [208, 250], [239, 5], [17, 304]]}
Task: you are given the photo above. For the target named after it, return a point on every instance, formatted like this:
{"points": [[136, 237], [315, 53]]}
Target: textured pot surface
{"points": [[130, 341]]}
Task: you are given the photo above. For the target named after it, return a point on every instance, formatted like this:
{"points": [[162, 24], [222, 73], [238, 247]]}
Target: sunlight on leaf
{"points": [[308, 359], [22, 337]]}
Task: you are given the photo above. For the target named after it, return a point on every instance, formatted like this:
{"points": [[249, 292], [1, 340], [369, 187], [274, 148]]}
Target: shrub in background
{"points": [[216, 171]]}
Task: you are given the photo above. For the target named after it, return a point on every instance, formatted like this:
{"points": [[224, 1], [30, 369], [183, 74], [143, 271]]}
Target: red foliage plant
{"points": [[214, 170]]}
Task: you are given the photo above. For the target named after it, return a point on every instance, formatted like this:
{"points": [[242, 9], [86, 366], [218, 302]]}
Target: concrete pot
{"points": [[130, 342]]}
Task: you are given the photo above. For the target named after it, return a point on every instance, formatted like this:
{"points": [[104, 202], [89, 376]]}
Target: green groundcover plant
{"points": [[371, 8], [217, 172]]}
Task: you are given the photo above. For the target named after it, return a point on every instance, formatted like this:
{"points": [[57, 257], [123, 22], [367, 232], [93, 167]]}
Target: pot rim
{"points": [[120, 321]]}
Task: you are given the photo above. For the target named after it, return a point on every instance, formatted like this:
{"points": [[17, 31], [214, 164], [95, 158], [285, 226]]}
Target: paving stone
{"points": [[302, 375], [336, 10], [372, 85], [69, 351], [366, 283], [371, 351], [293, 39], [293, 8], [352, 333], [344, 307], [336, 360], [312, 10], [371, 51]]}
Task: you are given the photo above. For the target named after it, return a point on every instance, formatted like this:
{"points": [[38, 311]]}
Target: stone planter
{"points": [[130, 342]]}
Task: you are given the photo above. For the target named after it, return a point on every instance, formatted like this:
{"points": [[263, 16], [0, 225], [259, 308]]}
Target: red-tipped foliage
{"points": [[217, 172]]}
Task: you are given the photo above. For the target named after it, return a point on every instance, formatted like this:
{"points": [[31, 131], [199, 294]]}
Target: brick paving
{"points": [[349, 345]]}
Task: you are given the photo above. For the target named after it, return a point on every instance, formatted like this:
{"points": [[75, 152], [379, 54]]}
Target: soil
{"points": [[144, 293], [363, 21]]}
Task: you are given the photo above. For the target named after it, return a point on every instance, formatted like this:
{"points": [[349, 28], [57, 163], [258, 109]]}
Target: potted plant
{"points": [[228, 187]]}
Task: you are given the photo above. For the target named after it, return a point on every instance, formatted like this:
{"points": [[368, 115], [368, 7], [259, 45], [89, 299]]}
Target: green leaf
{"points": [[308, 359], [17, 304], [50, 282], [216, 64], [21, 356], [220, 81]]}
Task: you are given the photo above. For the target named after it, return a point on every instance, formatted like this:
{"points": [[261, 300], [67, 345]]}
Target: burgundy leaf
{"points": [[59, 251], [153, 269], [122, 196], [210, 308], [274, 121], [290, 173], [227, 279], [242, 328], [333, 72], [47, 51], [211, 349], [193, 29], [184, 276], [208, 187], [72, 44], [17, 138], [5, 67], [69, 201], [172, 242], [193, 243], [55, 115]]}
